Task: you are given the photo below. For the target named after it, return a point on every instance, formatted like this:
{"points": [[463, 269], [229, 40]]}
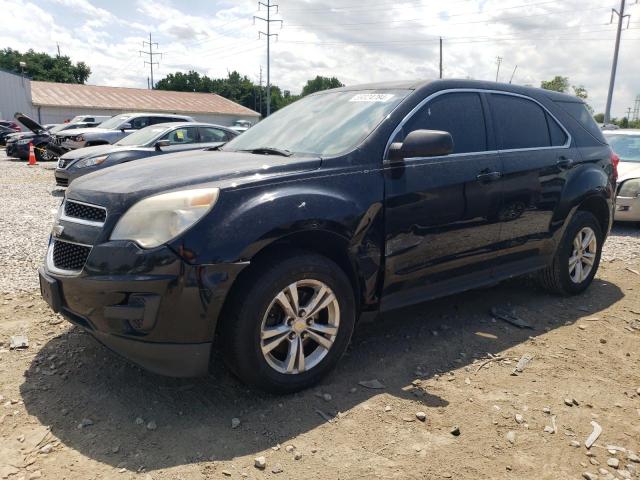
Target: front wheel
{"points": [[289, 324], [577, 257], [42, 154]]}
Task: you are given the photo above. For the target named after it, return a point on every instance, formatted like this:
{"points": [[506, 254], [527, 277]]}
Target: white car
{"points": [[626, 144]]}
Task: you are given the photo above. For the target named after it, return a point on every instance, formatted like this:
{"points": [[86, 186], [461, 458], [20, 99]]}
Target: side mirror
{"points": [[162, 143], [126, 126], [422, 143]]}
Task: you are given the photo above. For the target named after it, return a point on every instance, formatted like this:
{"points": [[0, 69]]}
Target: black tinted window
{"points": [[558, 137], [139, 122], [520, 123], [579, 112], [156, 120], [210, 135], [460, 114]]}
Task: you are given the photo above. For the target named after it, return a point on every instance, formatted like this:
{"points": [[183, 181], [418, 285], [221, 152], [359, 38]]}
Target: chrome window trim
{"points": [[424, 101], [63, 215], [59, 271]]}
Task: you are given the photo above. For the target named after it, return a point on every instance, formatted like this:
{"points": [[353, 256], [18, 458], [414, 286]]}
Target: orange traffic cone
{"points": [[32, 155]]}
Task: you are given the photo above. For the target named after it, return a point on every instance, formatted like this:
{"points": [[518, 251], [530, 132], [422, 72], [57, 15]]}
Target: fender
{"points": [[586, 182]]}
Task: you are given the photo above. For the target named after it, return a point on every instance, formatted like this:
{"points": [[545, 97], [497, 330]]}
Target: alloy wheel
{"points": [[300, 326], [583, 256]]}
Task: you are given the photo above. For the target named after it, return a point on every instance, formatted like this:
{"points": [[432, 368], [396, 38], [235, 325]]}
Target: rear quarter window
{"points": [[578, 111]]}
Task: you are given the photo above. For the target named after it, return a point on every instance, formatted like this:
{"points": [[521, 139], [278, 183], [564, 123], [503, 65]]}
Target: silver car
{"points": [[626, 144], [112, 130]]}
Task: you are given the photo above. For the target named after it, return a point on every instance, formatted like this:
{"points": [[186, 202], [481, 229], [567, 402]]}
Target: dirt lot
{"points": [[70, 409]]}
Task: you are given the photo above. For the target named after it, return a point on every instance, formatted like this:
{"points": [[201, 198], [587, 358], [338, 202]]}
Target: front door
{"points": [[441, 212]]}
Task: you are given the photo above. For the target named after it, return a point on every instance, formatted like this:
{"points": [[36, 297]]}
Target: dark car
{"points": [[344, 204], [113, 130], [4, 132], [10, 124], [40, 136], [151, 141]]}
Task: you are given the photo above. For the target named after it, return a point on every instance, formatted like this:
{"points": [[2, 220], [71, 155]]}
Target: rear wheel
{"points": [[577, 257], [288, 325]]}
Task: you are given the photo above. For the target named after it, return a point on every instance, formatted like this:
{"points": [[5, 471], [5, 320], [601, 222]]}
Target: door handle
{"points": [[487, 177], [564, 163]]}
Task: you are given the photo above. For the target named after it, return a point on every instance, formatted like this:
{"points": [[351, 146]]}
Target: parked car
{"points": [[10, 124], [241, 125], [626, 144], [346, 203], [4, 132], [151, 141], [39, 135], [114, 129]]}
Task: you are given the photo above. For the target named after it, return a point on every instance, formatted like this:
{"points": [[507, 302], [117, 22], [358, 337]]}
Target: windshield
{"points": [[142, 136], [326, 124], [626, 146], [114, 122]]}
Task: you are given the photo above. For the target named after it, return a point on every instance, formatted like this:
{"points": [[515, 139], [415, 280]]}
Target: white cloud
{"points": [[357, 42]]}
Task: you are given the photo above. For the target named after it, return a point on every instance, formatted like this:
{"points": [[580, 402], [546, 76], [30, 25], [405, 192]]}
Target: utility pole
{"points": [[498, 62], [636, 109], [614, 65], [260, 91], [58, 45], [513, 73], [268, 5], [440, 57], [151, 54]]}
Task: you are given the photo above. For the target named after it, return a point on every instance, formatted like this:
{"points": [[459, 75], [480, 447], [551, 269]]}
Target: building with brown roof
{"points": [[56, 102]]}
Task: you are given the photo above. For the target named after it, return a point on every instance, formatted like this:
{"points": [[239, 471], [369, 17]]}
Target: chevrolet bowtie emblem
{"points": [[57, 230]]}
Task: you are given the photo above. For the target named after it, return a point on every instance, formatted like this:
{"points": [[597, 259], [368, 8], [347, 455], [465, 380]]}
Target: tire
{"points": [[42, 154], [254, 312], [559, 277]]}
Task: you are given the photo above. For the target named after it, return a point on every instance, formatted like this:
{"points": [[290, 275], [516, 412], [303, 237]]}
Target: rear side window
{"points": [[580, 114], [460, 114], [520, 123], [558, 135]]}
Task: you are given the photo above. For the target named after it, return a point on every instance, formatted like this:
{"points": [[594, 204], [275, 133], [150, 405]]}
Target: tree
{"points": [[320, 83], [42, 66], [599, 117], [557, 84]]}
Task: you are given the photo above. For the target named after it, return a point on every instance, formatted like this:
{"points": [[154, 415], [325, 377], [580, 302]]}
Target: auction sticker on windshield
{"points": [[372, 97]]}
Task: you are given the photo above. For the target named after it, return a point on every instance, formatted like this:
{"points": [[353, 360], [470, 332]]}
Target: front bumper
{"points": [[150, 306], [18, 151], [627, 209]]}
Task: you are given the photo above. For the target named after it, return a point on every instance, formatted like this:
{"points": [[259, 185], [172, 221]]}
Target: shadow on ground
{"points": [[193, 417]]}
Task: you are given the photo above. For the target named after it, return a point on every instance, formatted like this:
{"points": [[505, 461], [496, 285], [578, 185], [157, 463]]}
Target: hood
{"points": [[82, 131], [93, 151], [627, 170], [124, 184], [31, 124]]}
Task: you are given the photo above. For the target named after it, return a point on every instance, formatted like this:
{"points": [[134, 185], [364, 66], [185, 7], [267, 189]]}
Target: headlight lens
{"points": [[79, 138], [630, 188], [91, 161], [156, 220]]}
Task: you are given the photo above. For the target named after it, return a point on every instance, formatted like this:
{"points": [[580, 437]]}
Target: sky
{"points": [[354, 40]]}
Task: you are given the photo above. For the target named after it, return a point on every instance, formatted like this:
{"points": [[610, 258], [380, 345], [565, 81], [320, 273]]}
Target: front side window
{"points": [[459, 113], [181, 136], [324, 124], [140, 122]]}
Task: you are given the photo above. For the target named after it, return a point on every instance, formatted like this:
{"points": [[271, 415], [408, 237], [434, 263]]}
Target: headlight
{"points": [[79, 138], [630, 188], [156, 220], [91, 161]]}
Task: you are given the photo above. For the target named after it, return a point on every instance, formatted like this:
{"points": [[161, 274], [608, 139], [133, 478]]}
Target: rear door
{"points": [[439, 211], [180, 139], [536, 155]]}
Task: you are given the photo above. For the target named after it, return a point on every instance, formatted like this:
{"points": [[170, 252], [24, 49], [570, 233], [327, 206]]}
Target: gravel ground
{"points": [[27, 206]]}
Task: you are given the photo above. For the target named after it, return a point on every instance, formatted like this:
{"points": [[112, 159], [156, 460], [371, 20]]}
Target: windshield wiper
{"points": [[269, 151]]}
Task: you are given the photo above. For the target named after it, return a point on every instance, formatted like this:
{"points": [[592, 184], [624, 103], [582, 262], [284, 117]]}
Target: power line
{"points": [[268, 34], [151, 55]]}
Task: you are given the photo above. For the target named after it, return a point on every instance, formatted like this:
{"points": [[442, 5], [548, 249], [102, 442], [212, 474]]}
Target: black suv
{"points": [[346, 203]]}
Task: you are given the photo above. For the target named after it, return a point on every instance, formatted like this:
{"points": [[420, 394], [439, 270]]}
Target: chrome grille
{"points": [[69, 256], [84, 211]]}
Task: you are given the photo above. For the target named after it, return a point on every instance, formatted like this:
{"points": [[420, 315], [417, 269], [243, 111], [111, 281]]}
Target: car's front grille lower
{"points": [[84, 211], [62, 182], [69, 256]]}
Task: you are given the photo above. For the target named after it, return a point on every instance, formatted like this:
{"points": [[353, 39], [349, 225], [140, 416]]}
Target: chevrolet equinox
{"points": [[347, 203]]}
